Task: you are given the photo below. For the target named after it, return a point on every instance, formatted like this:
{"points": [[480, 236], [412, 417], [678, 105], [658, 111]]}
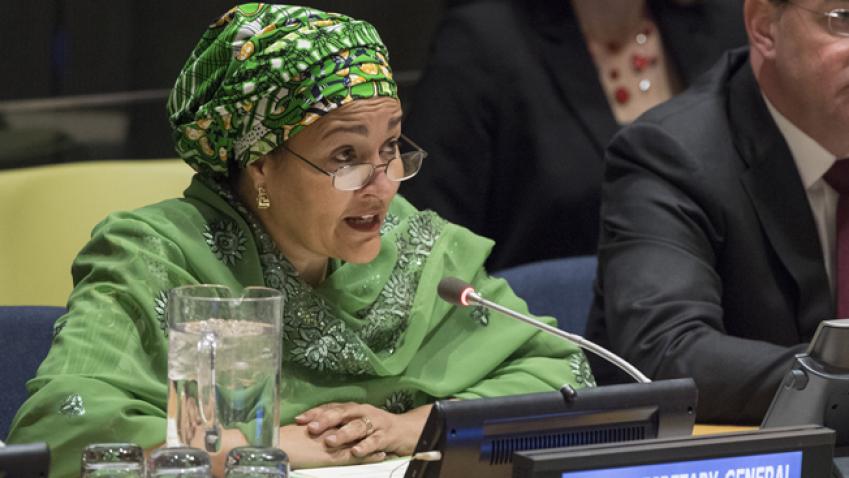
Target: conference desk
{"points": [[395, 469]]}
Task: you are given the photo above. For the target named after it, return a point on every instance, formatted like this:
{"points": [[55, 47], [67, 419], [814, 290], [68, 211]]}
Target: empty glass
{"points": [[223, 366], [253, 462], [112, 460], [179, 462]]}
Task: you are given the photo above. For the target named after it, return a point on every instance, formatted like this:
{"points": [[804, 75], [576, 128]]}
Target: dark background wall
{"points": [[72, 47], [58, 48]]}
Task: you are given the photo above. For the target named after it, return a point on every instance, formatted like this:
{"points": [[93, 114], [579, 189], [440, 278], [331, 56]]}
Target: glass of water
{"points": [[223, 365], [256, 462], [112, 460], [179, 462]]}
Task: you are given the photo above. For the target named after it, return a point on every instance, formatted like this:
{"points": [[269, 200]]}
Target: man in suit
{"points": [[718, 251], [514, 115]]}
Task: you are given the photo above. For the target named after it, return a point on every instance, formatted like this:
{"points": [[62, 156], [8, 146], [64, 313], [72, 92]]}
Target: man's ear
{"points": [[761, 18]]}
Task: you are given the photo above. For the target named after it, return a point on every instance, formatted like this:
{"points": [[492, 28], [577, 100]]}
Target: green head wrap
{"points": [[261, 73]]}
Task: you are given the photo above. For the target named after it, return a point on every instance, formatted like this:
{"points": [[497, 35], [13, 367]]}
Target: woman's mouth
{"points": [[366, 223]]}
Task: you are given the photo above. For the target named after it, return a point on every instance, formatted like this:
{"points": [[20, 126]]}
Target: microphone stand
{"points": [[568, 392]]}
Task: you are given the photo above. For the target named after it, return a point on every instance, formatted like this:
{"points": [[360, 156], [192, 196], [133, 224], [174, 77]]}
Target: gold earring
{"points": [[262, 200]]}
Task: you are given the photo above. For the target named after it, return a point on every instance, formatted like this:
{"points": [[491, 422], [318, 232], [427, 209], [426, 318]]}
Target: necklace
{"points": [[636, 57]]}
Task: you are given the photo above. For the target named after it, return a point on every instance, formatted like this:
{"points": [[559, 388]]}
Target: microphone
{"points": [[457, 292]]}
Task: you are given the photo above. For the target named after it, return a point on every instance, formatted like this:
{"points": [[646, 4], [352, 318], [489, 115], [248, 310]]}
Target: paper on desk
{"points": [[395, 468]]}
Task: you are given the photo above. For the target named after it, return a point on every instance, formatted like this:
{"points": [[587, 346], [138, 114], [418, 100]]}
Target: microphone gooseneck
{"points": [[458, 292]]}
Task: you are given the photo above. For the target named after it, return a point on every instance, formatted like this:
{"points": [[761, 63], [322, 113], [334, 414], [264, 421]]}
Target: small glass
{"points": [[257, 462], [179, 462], [112, 460]]}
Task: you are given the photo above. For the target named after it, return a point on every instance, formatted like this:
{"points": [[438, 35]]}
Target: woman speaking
{"points": [[291, 119]]}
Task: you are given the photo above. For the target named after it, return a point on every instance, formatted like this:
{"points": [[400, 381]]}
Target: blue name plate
{"points": [[772, 465]]}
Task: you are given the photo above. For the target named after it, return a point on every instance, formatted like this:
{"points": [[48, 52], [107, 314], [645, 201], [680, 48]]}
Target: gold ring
{"points": [[369, 425]]}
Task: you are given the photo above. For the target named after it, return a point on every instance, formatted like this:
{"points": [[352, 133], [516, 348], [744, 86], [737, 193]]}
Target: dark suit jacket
{"points": [[512, 112], [710, 264]]}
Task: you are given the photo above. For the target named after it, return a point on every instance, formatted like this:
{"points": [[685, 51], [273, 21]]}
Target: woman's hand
{"points": [[307, 450], [363, 429]]}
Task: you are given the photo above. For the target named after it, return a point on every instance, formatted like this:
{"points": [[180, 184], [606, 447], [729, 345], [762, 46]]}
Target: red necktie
{"points": [[838, 178]]}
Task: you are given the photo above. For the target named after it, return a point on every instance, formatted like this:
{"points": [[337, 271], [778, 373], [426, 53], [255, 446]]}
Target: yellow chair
{"points": [[47, 214]]}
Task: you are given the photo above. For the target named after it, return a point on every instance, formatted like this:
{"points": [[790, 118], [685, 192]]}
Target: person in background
{"points": [[725, 215], [520, 98], [291, 118]]}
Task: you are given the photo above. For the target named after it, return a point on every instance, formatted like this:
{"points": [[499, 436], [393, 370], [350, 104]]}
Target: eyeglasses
{"points": [[838, 18], [402, 166]]}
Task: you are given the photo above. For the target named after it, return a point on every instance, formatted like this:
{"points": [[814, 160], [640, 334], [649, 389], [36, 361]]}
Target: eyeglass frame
{"points": [[374, 168], [835, 13]]}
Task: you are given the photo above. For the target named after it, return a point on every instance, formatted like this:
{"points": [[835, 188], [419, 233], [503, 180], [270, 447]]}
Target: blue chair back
{"points": [[26, 333], [562, 288]]}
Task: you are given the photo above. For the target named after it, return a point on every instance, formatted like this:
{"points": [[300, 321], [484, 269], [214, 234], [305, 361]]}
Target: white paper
{"points": [[384, 469]]}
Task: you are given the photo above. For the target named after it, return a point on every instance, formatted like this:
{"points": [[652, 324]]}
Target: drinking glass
{"points": [[112, 460], [254, 462], [179, 462], [223, 366]]}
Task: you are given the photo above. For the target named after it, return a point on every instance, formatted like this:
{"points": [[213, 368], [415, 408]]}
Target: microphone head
{"points": [[455, 291]]}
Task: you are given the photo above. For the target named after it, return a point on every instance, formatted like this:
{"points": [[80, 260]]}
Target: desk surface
{"points": [[388, 468], [711, 429]]}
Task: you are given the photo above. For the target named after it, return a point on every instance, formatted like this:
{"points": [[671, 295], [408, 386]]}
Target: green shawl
{"points": [[373, 333]]}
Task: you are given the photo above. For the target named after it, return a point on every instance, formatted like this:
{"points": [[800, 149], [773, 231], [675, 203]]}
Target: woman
{"points": [[520, 98], [291, 118]]}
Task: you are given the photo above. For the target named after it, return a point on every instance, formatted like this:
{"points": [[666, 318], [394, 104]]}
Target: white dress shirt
{"points": [[813, 161]]}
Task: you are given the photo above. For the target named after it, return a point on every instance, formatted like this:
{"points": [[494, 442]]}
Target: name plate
{"points": [[792, 452], [773, 465]]}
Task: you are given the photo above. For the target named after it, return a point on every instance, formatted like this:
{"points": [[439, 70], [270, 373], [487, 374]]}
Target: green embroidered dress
{"points": [[374, 333]]}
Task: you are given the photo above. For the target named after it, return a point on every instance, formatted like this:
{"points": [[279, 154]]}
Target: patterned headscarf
{"points": [[261, 73]]}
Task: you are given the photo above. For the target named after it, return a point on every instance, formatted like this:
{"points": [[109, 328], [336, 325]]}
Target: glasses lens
{"points": [[838, 22], [355, 176], [406, 166], [395, 169]]}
